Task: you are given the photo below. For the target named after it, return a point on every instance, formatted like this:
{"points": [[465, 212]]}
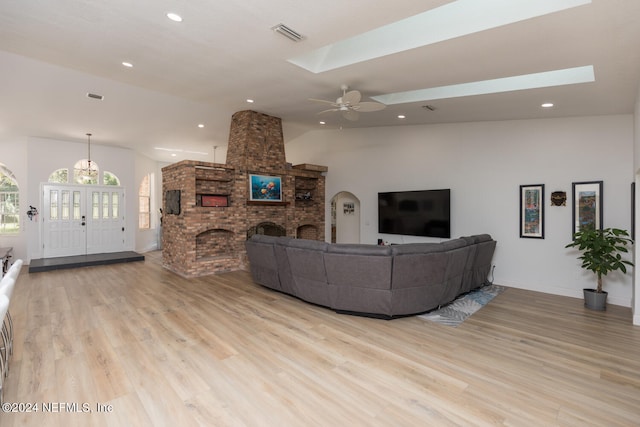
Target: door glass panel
{"points": [[66, 202], [105, 205], [95, 205], [76, 205], [114, 204], [53, 204]]}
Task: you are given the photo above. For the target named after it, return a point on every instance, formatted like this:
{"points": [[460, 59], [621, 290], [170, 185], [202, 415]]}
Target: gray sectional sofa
{"points": [[377, 281]]}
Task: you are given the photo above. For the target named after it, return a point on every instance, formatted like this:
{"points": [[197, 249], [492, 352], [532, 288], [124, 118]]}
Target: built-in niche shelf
{"points": [[214, 185], [305, 189]]}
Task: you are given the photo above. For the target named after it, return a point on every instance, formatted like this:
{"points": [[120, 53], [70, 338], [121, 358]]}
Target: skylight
{"points": [[527, 81], [455, 19]]}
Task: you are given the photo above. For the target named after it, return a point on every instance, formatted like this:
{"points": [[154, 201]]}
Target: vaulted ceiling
{"points": [[203, 69]]}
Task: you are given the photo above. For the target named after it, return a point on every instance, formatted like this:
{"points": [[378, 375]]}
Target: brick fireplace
{"points": [[208, 211]]}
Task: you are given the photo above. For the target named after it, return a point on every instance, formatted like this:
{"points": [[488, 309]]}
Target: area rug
{"points": [[464, 306]]}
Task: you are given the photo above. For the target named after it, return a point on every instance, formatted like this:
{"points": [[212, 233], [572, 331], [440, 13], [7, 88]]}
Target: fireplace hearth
{"points": [[216, 212]]}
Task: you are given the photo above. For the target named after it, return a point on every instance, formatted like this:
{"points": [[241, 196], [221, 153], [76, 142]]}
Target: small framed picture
{"points": [[532, 211], [265, 188], [587, 206]]}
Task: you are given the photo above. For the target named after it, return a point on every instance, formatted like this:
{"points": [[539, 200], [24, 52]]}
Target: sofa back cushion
{"points": [[362, 266], [262, 263], [306, 261]]}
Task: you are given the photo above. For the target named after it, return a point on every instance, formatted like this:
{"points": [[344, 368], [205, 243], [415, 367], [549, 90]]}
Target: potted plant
{"points": [[601, 253]]}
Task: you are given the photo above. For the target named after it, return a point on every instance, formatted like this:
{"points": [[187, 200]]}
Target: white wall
{"points": [[484, 164], [32, 160], [46, 155]]}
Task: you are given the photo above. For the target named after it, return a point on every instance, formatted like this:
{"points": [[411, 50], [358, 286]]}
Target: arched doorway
{"points": [[345, 218]]}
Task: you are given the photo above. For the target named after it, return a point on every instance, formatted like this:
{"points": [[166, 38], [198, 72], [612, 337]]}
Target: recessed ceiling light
{"points": [[174, 17], [402, 116], [127, 64], [323, 123], [547, 105], [173, 154], [250, 101], [200, 125]]}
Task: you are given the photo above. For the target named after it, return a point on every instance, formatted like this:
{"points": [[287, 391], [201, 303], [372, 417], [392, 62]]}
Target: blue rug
{"points": [[464, 306]]}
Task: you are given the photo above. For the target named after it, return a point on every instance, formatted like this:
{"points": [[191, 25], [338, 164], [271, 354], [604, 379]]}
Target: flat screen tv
{"points": [[415, 213]]}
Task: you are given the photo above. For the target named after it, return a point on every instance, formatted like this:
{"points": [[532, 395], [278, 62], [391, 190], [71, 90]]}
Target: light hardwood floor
{"points": [[222, 351]]}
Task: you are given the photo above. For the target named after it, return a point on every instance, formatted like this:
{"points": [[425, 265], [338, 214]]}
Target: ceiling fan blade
{"points": [[323, 101], [328, 111], [365, 107], [352, 97], [350, 115]]}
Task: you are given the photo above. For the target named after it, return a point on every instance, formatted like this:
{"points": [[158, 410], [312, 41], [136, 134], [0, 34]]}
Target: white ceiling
{"points": [[202, 70]]}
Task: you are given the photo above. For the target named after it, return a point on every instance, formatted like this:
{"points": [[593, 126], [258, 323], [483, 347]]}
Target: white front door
{"points": [[82, 219]]}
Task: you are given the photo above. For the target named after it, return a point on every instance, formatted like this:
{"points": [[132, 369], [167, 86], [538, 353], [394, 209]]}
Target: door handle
{"points": [[83, 223]]}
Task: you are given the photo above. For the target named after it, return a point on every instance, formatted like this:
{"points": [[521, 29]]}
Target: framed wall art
{"points": [[264, 188], [587, 205], [217, 201], [532, 211]]}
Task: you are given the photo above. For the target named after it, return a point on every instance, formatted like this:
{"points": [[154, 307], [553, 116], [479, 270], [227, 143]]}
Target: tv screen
{"points": [[415, 213]]}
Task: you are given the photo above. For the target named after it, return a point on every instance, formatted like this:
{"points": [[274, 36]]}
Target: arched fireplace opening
{"points": [[307, 231], [215, 243], [267, 229]]}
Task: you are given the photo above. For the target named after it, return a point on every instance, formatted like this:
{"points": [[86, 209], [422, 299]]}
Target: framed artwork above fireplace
{"points": [[265, 188]]}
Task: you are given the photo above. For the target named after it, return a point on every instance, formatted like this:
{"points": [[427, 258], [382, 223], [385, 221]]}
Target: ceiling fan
{"points": [[349, 104]]}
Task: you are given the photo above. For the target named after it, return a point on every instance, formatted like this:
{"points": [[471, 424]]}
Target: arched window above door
{"points": [[60, 176], [109, 178]]}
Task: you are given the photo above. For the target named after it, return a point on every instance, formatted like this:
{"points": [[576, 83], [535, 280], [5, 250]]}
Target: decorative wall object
{"points": [[532, 211], [559, 198], [349, 208], [265, 188], [172, 202], [587, 205]]}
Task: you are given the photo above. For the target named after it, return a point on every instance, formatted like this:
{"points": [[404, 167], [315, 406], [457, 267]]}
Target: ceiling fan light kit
{"points": [[349, 104]]}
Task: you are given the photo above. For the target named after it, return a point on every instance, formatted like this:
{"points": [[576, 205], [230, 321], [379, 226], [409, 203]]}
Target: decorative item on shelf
{"points": [[88, 170], [304, 196], [600, 252], [559, 198]]}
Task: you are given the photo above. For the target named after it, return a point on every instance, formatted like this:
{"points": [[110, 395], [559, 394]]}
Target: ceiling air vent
{"points": [[287, 32], [95, 96]]}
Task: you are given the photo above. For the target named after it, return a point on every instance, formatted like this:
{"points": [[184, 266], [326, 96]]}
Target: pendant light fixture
{"points": [[89, 171]]}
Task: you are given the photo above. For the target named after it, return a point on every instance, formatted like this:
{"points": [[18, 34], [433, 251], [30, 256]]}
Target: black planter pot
{"points": [[595, 300]]}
